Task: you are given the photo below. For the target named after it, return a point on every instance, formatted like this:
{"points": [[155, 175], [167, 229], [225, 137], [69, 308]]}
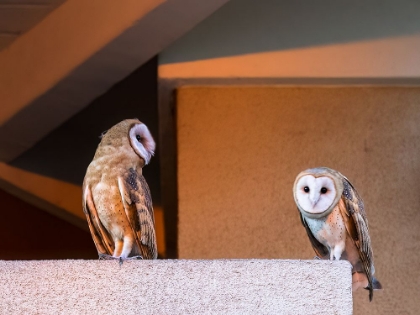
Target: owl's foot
{"points": [[120, 259], [322, 258], [107, 257], [134, 258], [130, 258]]}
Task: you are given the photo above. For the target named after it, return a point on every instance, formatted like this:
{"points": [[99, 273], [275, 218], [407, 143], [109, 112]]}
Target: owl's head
{"points": [[317, 191], [130, 132]]}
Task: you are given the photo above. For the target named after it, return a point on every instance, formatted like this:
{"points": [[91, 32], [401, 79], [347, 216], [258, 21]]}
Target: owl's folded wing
{"points": [[100, 236], [353, 212], [139, 210]]}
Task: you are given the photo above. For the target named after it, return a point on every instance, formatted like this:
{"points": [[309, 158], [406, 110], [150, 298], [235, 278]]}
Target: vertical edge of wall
{"points": [[176, 287]]}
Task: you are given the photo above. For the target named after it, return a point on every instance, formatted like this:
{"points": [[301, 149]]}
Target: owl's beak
{"points": [[314, 199]]}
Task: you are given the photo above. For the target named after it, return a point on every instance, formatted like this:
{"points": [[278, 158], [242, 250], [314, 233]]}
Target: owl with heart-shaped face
{"points": [[334, 217], [116, 197]]}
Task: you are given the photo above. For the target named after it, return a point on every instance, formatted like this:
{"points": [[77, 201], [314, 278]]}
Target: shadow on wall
{"points": [[246, 26]]}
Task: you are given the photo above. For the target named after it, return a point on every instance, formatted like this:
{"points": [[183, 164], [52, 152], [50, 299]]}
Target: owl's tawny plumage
{"points": [[334, 217], [116, 197]]}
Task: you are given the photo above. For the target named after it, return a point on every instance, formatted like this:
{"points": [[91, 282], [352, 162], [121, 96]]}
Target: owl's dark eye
{"points": [[138, 138], [306, 189], [324, 190]]}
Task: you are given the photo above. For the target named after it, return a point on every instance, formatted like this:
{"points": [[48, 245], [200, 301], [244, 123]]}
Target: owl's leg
{"points": [[118, 248], [337, 251], [127, 246]]}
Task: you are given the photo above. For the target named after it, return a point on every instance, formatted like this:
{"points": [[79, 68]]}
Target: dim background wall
{"points": [[32, 233], [240, 149]]}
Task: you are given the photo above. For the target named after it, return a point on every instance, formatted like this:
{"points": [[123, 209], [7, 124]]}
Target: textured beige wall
{"points": [[175, 287], [240, 148]]}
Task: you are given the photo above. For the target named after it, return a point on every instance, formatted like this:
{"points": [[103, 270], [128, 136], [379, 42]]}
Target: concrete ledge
{"points": [[176, 287]]}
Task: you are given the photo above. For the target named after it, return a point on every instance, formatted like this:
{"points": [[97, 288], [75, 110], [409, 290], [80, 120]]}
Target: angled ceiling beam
{"points": [[59, 43], [45, 56], [78, 52]]}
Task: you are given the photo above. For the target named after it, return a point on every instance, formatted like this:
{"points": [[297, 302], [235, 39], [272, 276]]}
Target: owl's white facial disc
{"points": [[142, 142], [315, 194]]}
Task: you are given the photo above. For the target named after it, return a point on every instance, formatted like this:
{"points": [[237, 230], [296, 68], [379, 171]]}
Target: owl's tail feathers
{"points": [[376, 284]]}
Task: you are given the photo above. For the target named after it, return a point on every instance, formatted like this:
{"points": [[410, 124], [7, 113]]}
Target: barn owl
{"points": [[334, 217], [116, 197]]}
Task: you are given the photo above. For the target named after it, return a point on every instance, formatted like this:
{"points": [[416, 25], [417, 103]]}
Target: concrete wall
{"points": [[175, 287], [240, 149]]}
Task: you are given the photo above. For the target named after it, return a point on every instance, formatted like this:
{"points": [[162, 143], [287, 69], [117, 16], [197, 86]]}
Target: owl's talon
{"points": [[106, 257], [135, 258], [317, 258], [120, 259]]}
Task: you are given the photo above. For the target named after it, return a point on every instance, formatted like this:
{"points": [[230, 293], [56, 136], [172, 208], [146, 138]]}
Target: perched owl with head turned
{"points": [[116, 197], [334, 217]]}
